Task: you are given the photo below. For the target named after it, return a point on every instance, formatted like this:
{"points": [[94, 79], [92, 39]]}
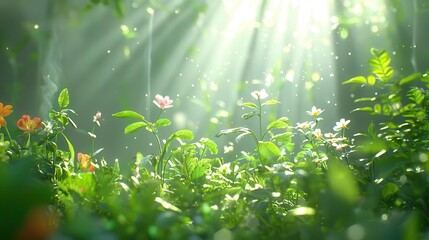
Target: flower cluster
{"points": [[317, 138]]}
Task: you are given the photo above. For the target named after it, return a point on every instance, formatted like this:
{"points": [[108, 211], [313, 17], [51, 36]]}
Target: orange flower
{"points": [[29, 125], [4, 112], [85, 162]]}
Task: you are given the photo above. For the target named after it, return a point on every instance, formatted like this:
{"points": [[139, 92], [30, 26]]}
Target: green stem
{"points": [[92, 140], [158, 168], [260, 119], [202, 153], [159, 115], [27, 143], [8, 134]]}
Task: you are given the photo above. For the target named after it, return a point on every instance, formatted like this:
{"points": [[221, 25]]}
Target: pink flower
{"points": [[163, 102]]}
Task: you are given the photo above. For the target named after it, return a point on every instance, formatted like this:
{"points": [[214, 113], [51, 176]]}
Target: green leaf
{"points": [[233, 130], [301, 211], [200, 170], [71, 148], [267, 151], [363, 109], [358, 79], [371, 130], [410, 78], [380, 65], [119, 8], [63, 99], [249, 105], [277, 124], [240, 136], [342, 182], [128, 114], [283, 137], [248, 115], [377, 108], [210, 145], [416, 95], [270, 102], [133, 127], [389, 189], [162, 122], [365, 99], [371, 80], [182, 134]]}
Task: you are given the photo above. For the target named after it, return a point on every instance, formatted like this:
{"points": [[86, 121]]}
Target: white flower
{"points": [[330, 135], [342, 124], [97, 118], [318, 134], [48, 127], [305, 125], [315, 111], [259, 94]]}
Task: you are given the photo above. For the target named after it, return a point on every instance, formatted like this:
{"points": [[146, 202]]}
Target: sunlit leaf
{"points": [[277, 124], [167, 205], [358, 79], [267, 151], [182, 134], [371, 80], [71, 148], [365, 99], [119, 8], [381, 152], [240, 136], [128, 114], [389, 189], [133, 127], [63, 99], [303, 211], [377, 109], [199, 171], [162, 122], [211, 145], [233, 130], [271, 102], [363, 109], [249, 105], [409, 78], [380, 64], [342, 182], [249, 115], [282, 137], [412, 226], [416, 95]]}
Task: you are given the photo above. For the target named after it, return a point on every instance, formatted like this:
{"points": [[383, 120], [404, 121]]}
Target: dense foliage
{"points": [[332, 185]]}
